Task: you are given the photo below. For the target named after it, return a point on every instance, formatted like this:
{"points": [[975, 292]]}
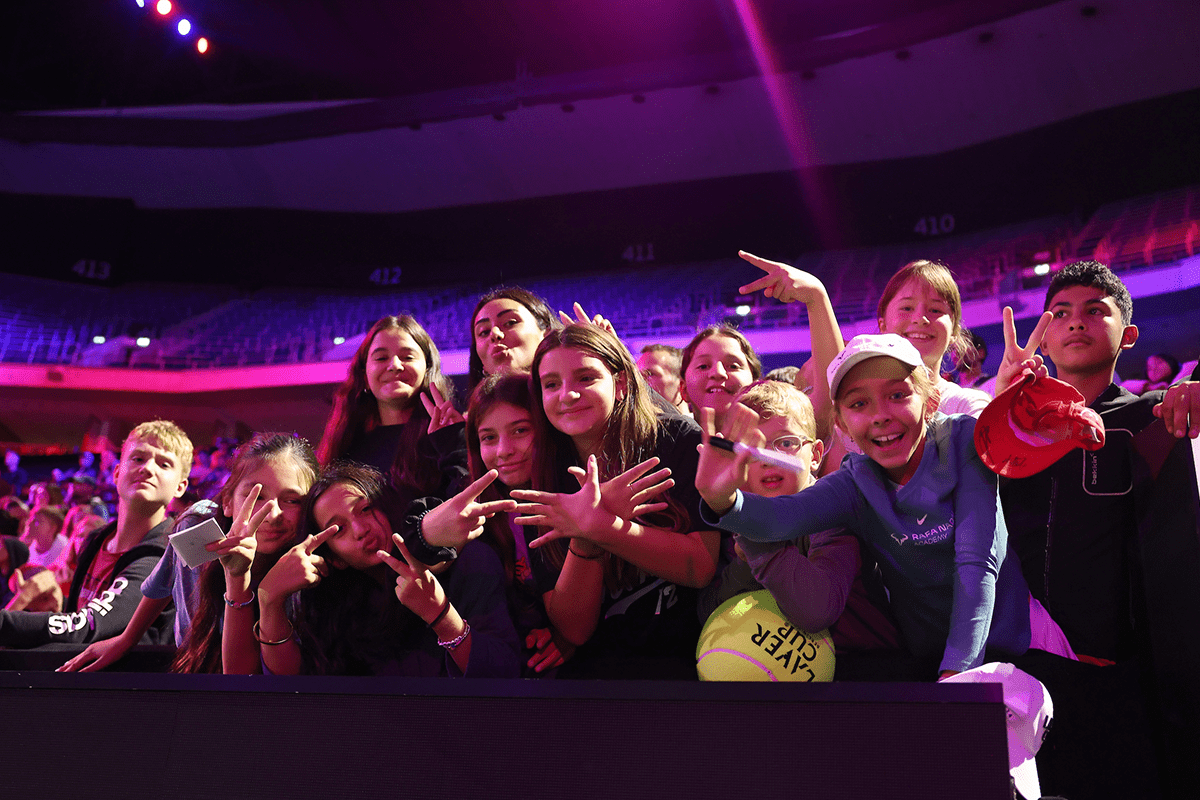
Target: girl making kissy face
{"points": [[640, 569], [919, 498]]}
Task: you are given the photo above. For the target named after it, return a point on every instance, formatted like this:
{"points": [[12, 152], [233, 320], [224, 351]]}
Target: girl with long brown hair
{"points": [[636, 565]]}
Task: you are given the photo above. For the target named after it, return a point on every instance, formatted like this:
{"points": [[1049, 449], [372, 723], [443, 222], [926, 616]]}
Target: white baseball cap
{"points": [[869, 345], [1029, 711]]}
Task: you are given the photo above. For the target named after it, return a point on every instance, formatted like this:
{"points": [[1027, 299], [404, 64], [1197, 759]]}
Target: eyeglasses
{"points": [[789, 444]]}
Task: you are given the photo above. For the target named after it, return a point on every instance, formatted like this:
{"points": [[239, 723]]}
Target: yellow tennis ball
{"points": [[748, 639]]}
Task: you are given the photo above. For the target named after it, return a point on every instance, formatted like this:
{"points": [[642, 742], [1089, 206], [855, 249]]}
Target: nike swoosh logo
{"points": [[921, 521]]}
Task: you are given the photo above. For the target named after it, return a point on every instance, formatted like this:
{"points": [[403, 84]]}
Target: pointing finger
{"points": [[476, 488], [313, 542]]}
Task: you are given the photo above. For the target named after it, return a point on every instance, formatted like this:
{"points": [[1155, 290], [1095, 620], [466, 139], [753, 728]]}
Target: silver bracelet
{"points": [[457, 640]]}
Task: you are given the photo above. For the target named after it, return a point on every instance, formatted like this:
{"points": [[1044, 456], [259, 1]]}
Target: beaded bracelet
{"points": [[578, 554], [232, 604], [457, 640], [441, 615], [260, 640]]}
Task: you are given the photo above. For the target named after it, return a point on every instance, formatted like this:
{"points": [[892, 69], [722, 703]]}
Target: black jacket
{"points": [[107, 614]]}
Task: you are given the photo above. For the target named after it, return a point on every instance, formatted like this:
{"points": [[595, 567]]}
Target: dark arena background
{"points": [[203, 232]]}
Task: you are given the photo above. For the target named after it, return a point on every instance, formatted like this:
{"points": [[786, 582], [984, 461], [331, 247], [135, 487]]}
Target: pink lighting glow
{"points": [[787, 112], [163, 7], [202, 45]]}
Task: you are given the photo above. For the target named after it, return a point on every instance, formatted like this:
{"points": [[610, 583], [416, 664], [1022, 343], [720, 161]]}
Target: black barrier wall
{"points": [[261, 737]]}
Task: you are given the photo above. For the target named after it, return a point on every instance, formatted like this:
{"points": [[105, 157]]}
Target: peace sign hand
{"points": [[442, 412], [1018, 359], [785, 283], [626, 495], [416, 587], [460, 519], [237, 549]]}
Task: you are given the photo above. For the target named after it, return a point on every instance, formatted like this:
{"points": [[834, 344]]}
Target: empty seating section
{"points": [[49, 322]]}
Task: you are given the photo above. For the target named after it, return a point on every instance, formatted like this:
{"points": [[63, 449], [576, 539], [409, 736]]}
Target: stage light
{"points": [[141, 3], [143, 341], [184, 27], [98, 340], [339, 340], [742, 310], [202, 45], [163, 7], [1041, 269]]}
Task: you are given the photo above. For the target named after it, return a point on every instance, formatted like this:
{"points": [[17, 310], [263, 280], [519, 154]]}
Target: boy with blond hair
{"points": [[817, 579], [115, 559]]}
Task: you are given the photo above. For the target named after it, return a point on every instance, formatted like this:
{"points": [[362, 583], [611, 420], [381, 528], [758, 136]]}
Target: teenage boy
{"points": [[115, 559], [1108, 539]]}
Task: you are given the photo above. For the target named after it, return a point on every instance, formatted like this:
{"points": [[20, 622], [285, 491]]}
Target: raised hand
{"points": [[237, 549], [1181, 404], [460, 519], [579, 515], [626, 495], [719, 473], [442, 412], [783, 282], [298, 568], [416, 587], [1017, 359], [582, 318]]}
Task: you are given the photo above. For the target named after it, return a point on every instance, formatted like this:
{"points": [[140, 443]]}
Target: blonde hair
{"points": [[772, 398], [939, 278], [166, 435], [923, 385]]}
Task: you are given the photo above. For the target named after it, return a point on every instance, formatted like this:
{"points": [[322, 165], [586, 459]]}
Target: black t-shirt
{"points": [[654, 620]]}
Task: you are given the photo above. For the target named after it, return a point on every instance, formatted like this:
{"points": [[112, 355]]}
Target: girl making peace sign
{"points": [[341, 586]]}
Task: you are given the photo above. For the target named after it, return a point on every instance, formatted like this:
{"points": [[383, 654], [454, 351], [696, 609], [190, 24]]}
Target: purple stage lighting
{"points": [[184, 27]]}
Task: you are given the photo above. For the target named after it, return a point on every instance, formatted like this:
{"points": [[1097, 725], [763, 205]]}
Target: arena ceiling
{"points": [[78, 54]]}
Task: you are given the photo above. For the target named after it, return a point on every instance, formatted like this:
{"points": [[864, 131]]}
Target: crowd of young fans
{"points": [[573, 519]]}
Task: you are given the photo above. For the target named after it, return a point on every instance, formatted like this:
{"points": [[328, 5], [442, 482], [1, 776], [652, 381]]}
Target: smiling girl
{"points": [[717, 364], [505, 434], [921, 303], [919, 498], [638, 565]]}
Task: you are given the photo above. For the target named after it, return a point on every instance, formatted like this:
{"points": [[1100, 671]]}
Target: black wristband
{"points": [[420, 549]]}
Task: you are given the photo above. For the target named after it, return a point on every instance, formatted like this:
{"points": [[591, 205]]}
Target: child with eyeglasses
{"points": [[816, 578]]}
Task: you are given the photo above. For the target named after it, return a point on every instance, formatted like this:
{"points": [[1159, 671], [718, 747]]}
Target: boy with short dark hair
{"points": [[1109, 539], [106, 588]]}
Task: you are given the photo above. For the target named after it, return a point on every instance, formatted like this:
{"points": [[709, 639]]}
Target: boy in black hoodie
{"points": [[1109, 542], [115, 559]]}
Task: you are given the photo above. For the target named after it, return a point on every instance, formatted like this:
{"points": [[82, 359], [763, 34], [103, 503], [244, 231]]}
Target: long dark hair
{"points": [[538, 308], [632, 432], [356, 411], [201, 650], [338, 628], [514, 390]]}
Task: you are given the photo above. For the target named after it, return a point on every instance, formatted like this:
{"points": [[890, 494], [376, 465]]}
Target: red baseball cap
{"points": [[1033, 424]]}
